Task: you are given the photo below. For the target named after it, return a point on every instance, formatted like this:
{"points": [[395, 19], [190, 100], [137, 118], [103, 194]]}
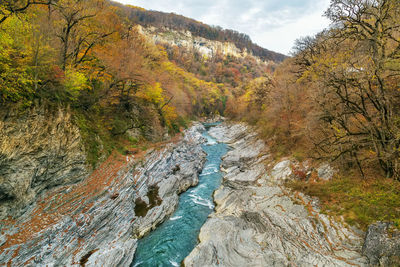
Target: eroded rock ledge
{"points": [[258, 222], [94, 223], [39, 150]]}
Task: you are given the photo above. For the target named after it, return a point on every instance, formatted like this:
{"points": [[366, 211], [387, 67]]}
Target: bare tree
{"points": [[80, 29], [358, 92]]}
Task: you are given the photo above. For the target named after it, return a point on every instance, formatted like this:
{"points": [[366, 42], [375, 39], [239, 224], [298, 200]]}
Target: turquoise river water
{"points": [[174, 239]]}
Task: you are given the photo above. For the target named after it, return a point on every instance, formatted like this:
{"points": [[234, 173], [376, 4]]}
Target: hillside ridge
{"points": [[172, 21]]}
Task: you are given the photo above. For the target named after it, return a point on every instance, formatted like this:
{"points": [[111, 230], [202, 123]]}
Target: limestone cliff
{"points": [[39, 149], [382, 244], [186, 40]]}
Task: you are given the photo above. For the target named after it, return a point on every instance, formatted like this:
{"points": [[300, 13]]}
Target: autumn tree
{"points": [[80, 28], [358, 72], [12, 7], [15, 73]]}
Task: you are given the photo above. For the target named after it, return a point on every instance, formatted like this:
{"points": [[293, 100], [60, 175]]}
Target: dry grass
{"points": [[360, 202]]}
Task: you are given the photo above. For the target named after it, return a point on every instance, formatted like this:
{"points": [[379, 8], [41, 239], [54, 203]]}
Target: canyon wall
{"points": [[40, 149]]}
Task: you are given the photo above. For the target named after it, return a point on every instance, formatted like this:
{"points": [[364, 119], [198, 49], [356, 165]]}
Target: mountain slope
{"points": [[172, 21]]}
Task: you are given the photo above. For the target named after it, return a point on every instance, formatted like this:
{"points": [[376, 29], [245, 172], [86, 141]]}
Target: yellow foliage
{"points": [[152, 93], [75, 82], [136, 7], [170, 115]]}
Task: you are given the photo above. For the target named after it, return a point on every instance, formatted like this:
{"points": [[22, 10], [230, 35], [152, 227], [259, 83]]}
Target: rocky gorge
{"points": [[256, 220], [98, 221]]}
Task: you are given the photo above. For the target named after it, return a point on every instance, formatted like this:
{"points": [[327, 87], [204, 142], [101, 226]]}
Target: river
{"points": [[174, 239]]}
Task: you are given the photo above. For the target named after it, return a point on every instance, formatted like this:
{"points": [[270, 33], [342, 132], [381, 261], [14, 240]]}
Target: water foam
{"points": [[174, 263], [206, 170], [211, 141], [201, 201], [175, 218], [138, 263]]}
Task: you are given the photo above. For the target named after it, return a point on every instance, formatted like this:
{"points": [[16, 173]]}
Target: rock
{"points": [[118, 255], [282, 171], [39, 149], [215, 119], [382, 244], [96, 222], [228, 133], [258, 222], [325, 171], [185, 40]]}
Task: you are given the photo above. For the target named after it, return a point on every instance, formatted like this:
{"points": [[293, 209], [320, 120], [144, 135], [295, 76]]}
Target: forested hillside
{"points": [[88, 56], [177, 22], [230, 70], [337, 100]]}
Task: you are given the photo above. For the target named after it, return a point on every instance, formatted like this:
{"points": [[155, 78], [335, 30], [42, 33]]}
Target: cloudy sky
{"points": [[273, 24]]}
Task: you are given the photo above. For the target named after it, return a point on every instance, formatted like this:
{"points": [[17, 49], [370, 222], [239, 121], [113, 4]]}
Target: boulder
{"points": [[325, 171], [382, 244], [282, 171]]}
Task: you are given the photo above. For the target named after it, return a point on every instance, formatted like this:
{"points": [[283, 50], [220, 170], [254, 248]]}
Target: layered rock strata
{"points": [[39, 149], [185, 39], [258, 222], [94, 223]]}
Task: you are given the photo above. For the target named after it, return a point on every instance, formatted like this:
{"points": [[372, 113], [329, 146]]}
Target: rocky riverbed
{"points": [[258, 222], [98, 221]]}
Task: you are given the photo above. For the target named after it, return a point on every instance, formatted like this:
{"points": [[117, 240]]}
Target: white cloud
{"points": [[281, 38], [273, 24]]}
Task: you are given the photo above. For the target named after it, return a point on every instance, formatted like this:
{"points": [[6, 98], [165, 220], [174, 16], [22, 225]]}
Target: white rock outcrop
{"points": [[185, 39], [325, 171], [258, 222]]}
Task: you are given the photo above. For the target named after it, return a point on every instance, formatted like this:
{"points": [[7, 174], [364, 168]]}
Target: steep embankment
{"points": [[39, 150], [210, 60], [92, 222], [258, 222]]}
